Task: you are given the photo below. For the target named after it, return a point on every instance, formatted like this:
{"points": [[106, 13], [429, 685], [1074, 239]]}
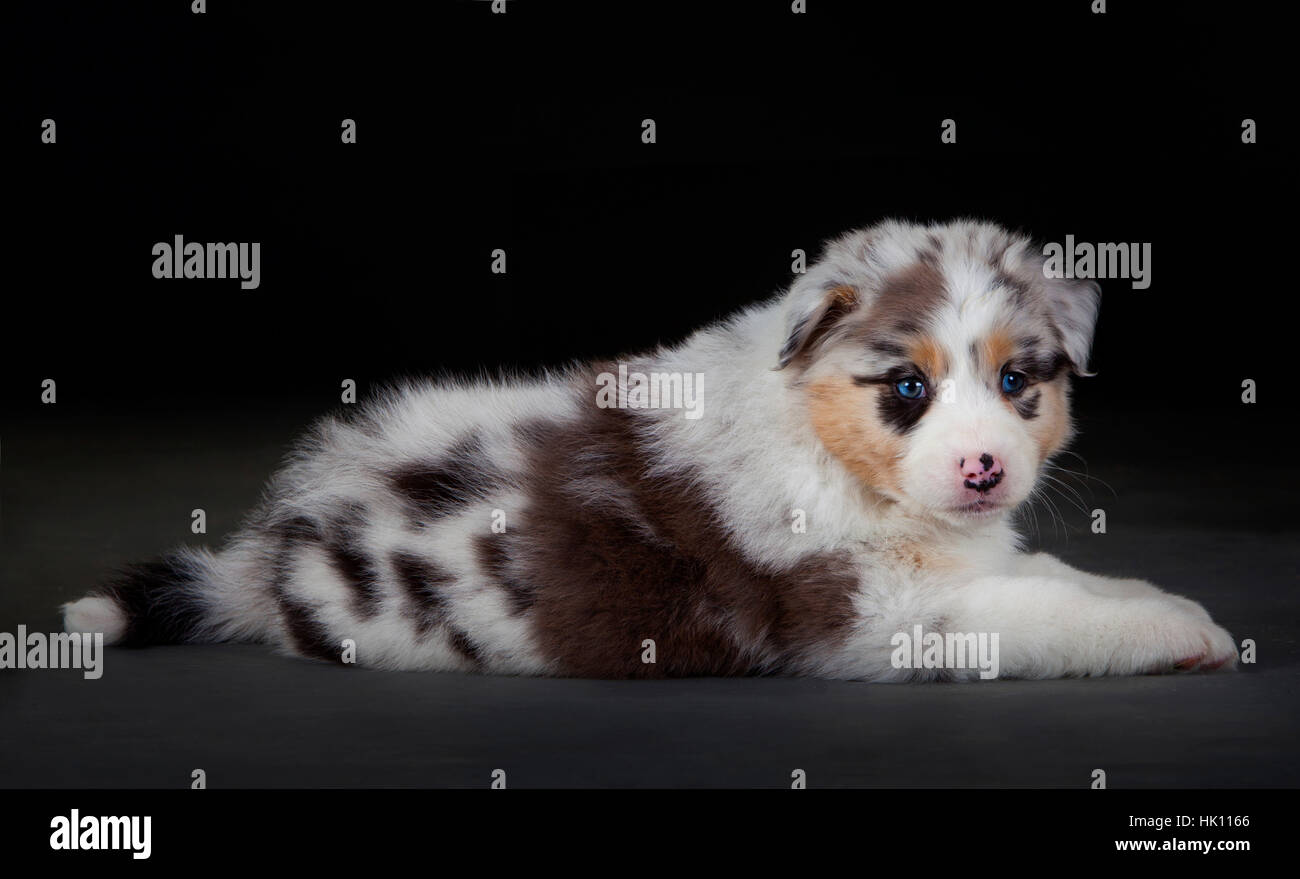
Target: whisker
{"points": [[1038, 494], [1076, 499], [1081, 475]]}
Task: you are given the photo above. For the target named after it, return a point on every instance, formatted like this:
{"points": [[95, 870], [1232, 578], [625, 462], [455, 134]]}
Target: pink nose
{"points": [[981, 472]]}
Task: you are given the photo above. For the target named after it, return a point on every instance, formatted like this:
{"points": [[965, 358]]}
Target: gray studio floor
{"points": [[81, 493]]}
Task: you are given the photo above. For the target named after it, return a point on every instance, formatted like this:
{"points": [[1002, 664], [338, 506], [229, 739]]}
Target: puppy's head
{"points": [[935, 362]]}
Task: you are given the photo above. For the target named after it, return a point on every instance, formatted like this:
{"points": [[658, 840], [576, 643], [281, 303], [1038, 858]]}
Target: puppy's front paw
{"points": [[1132, 588], [1175, 638], [1186, 605], [1221, 651]]}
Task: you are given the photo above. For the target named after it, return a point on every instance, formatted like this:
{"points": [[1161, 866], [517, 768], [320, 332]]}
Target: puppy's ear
{"points": [[1073, 307], [812, 314]]}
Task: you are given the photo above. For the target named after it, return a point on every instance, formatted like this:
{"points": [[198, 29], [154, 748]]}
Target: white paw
{"points": [[1173, 634], [1184, 604], [1137, 588], [95, 614]]}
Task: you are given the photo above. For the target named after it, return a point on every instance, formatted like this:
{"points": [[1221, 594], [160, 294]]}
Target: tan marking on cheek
{"points": [[996, 349], [927, 354], [845, 417], [1052, 426]]}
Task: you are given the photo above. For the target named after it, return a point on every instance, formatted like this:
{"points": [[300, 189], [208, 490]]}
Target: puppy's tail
{"points": [[173, 600]]}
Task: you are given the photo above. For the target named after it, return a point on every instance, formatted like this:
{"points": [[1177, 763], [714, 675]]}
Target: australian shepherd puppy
{"points": [[847, 481]]}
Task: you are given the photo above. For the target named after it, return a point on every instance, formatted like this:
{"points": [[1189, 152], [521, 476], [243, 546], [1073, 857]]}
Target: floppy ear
{"points": [[1073, 308], [811, 314]]}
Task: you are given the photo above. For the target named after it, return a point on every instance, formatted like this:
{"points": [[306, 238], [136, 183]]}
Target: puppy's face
{"points": [[935, 363]]}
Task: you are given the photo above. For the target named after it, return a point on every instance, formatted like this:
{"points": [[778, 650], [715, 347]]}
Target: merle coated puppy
{"points": [[848, 480]]}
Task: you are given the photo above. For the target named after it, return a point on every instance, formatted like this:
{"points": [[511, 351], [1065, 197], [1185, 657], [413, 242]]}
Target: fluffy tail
{"points": [[168, 601]]}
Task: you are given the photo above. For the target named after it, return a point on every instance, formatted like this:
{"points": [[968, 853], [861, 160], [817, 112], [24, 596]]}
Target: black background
{"points": [[522, 131]]}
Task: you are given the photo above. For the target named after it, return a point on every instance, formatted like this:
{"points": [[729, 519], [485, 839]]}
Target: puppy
{"points": [[846, 482]]}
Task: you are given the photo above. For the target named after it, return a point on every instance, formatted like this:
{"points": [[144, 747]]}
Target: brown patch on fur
{"points": [[926, 354], [995, 349], [1051, 428], [615, 556], [930, 252], [425, 584], [308, 633], [432, 489], [490, 550], [842, 296], [905, 300], [844, 414]]}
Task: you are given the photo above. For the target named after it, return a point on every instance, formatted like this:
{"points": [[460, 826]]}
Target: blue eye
{"points": [[1013, 382], [910, 388]]}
